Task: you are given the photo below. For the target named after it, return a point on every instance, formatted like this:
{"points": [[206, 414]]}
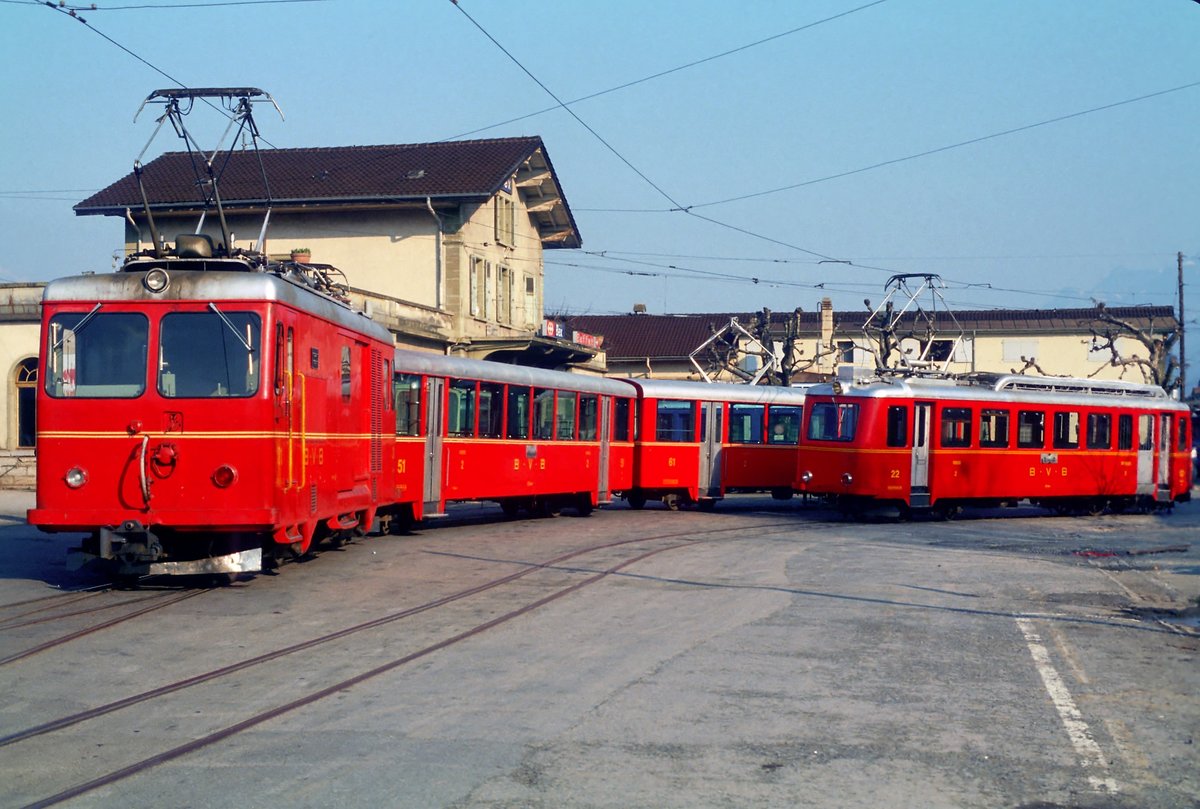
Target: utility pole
{"points": [[1183, 388]]}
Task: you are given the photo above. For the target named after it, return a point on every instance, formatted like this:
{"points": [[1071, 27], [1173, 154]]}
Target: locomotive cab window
{"points": [[746, 423], [832, 422], [1066, 430], [406, 394], [897, 426], [1099, 430], [956, 427], [1031, 429], [1181, 435], [213, 354], [993, 428], [92, 355], [783, 424], [675, 421]]}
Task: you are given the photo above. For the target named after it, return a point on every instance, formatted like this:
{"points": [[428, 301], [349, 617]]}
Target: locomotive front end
{"points": [[153, 428]]}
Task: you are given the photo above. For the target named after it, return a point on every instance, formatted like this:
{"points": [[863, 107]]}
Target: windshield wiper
{"points": [[232, 327], [78, 327]]}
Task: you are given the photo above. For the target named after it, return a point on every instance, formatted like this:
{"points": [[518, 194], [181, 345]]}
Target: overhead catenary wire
{"points": [[672, 70]]}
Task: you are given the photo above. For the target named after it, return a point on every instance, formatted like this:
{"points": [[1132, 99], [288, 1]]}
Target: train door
{"points": [[377, 394], [922, 437], [709, 483], [1145, 454], [1163, 477], [433, 445], [605, 441]]}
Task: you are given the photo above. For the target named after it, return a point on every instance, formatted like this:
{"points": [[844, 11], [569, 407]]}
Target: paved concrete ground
{"points": [[776, 657]]}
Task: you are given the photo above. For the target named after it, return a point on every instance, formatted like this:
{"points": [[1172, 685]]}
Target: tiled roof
{"points": [[473, 168], [635, 336]]}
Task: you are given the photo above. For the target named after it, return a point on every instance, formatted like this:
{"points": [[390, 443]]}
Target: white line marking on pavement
{"points": [[1091, 756]]}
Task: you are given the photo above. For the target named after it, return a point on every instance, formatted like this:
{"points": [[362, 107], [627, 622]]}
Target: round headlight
{"points": [[806, 477], [224, 477], [75, 477], [847, 478], [156, 280]]}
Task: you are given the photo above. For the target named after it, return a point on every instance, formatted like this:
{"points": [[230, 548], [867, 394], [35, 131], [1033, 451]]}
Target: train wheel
{"points": [[583, 504], [1095, 507], [510, 508], [782, 493], [637, 500], [945, 511], [708, 504], [671, 501]]}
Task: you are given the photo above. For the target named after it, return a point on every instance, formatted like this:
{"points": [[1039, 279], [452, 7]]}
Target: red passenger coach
{"points": [[196, 411], [696, 441], [525, 437], [940, 444]]}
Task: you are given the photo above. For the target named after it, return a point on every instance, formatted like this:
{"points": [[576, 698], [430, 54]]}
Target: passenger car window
{"points": [[828, 421]]}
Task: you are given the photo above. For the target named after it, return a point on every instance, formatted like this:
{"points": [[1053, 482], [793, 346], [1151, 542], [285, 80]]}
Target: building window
{"points": [[503, 295], [845, 352], [505, 222], [26, 380], [532, 316], [479, 287]]}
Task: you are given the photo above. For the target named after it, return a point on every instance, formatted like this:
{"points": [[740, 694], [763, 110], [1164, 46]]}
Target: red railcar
{"points": [[524, 437], [940, 444], [696, 441], [194, 410]]}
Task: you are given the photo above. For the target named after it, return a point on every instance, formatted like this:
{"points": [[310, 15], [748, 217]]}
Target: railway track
{"points": [[158, 602], [636, 551]]}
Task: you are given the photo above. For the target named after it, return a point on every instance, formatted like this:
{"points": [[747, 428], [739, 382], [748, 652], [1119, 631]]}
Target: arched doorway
{"points": [[26, 382]]}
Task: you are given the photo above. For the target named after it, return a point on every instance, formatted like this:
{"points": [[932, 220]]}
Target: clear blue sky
{"points": [[1095, 206]]}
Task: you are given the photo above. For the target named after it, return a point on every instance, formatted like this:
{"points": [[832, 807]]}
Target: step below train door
{"points": [[922, 422], [1145, 454], [434, 417], [1163, 494]]}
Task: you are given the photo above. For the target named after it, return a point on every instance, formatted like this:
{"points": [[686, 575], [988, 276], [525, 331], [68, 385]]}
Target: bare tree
{"points": [[1158, 367]]}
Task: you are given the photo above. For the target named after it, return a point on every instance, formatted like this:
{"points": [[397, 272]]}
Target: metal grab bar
{"points": [[142, 470]]}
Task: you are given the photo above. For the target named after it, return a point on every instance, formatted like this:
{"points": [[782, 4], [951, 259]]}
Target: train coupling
{"points": [[133, 550]]}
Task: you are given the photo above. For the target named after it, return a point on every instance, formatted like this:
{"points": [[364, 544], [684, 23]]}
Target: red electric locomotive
{"points": [[524, 437], [939, 444], [696, 441], [194, 405]]}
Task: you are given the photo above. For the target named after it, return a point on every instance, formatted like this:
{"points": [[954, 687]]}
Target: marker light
{"points": [[75, 477], [224, 477]]}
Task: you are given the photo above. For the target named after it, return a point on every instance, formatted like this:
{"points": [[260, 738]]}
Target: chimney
{"points": [[829, 362], [639, 308]]}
